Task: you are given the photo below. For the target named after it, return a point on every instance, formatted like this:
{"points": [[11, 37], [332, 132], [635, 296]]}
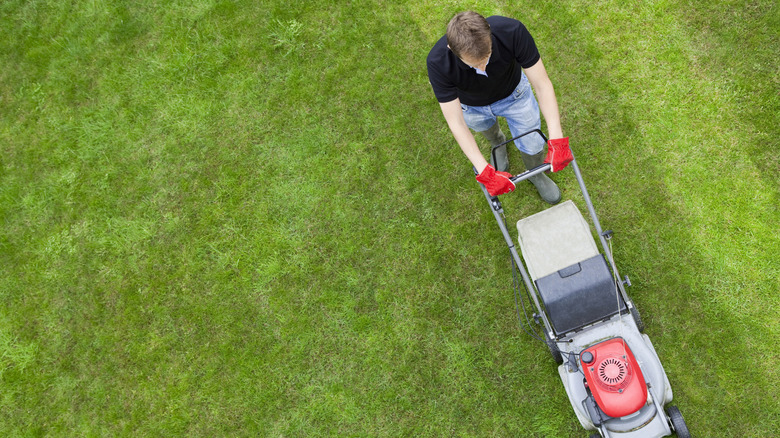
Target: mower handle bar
{"points": [[530, 172], [498, 211]]}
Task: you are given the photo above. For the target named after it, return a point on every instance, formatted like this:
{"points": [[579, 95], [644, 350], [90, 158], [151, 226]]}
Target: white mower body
{"points": [[552, 241]]}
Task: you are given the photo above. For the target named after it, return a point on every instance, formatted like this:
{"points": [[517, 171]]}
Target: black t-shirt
{"points": [[513, 49]]}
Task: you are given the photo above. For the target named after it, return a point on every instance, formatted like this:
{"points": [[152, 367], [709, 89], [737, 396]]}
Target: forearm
{"points": [[548, 105], [468, 145], [545, 95], [463, 136]]}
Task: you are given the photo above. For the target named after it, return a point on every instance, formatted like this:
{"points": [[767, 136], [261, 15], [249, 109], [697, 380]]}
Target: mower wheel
{"points": [[678, 423], [554, 351], [637, 319], [595, 435]]}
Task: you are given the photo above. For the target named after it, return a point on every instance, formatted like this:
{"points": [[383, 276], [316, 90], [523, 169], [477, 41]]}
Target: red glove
{"points": [[558, 153], [496, 183]]}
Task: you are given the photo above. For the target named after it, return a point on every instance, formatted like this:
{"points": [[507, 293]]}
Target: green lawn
{"points": [[240, 218]]}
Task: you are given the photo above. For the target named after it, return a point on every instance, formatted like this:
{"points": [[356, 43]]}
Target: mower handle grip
{"points": [[529, 173]]}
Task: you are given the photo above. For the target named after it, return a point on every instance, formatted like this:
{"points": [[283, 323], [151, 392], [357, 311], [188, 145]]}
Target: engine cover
{"points": [[614, 377]]}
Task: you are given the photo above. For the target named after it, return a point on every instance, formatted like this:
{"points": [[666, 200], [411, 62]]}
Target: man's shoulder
{"points": [[440, 59], [441, 70], [499, 23], [439, 50]]}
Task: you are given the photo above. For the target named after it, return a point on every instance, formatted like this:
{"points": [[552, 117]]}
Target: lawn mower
{"points": [[610, 371]]}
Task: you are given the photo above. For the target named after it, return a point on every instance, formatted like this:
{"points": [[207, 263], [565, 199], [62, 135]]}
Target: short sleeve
{"points": [[444, 90], [526, 53]]}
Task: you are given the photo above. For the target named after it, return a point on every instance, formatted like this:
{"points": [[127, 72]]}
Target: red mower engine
{"points": [[614, 377]]}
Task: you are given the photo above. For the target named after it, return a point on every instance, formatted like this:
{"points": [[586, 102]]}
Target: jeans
{"points": [[521, 112]]}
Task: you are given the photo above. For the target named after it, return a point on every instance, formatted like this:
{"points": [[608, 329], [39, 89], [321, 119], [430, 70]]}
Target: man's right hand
{"points": [[496, 183]]}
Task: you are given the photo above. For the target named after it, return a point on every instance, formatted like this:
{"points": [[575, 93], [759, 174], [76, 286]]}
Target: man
{"points": [[484, 68]]}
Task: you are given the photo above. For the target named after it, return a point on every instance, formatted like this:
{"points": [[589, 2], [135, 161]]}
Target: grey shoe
{"points": [[495, 136], [547, 189]]}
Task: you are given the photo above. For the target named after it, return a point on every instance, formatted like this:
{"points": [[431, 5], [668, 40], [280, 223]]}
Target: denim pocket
{"points": [[520, 91], [522, 88]]}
